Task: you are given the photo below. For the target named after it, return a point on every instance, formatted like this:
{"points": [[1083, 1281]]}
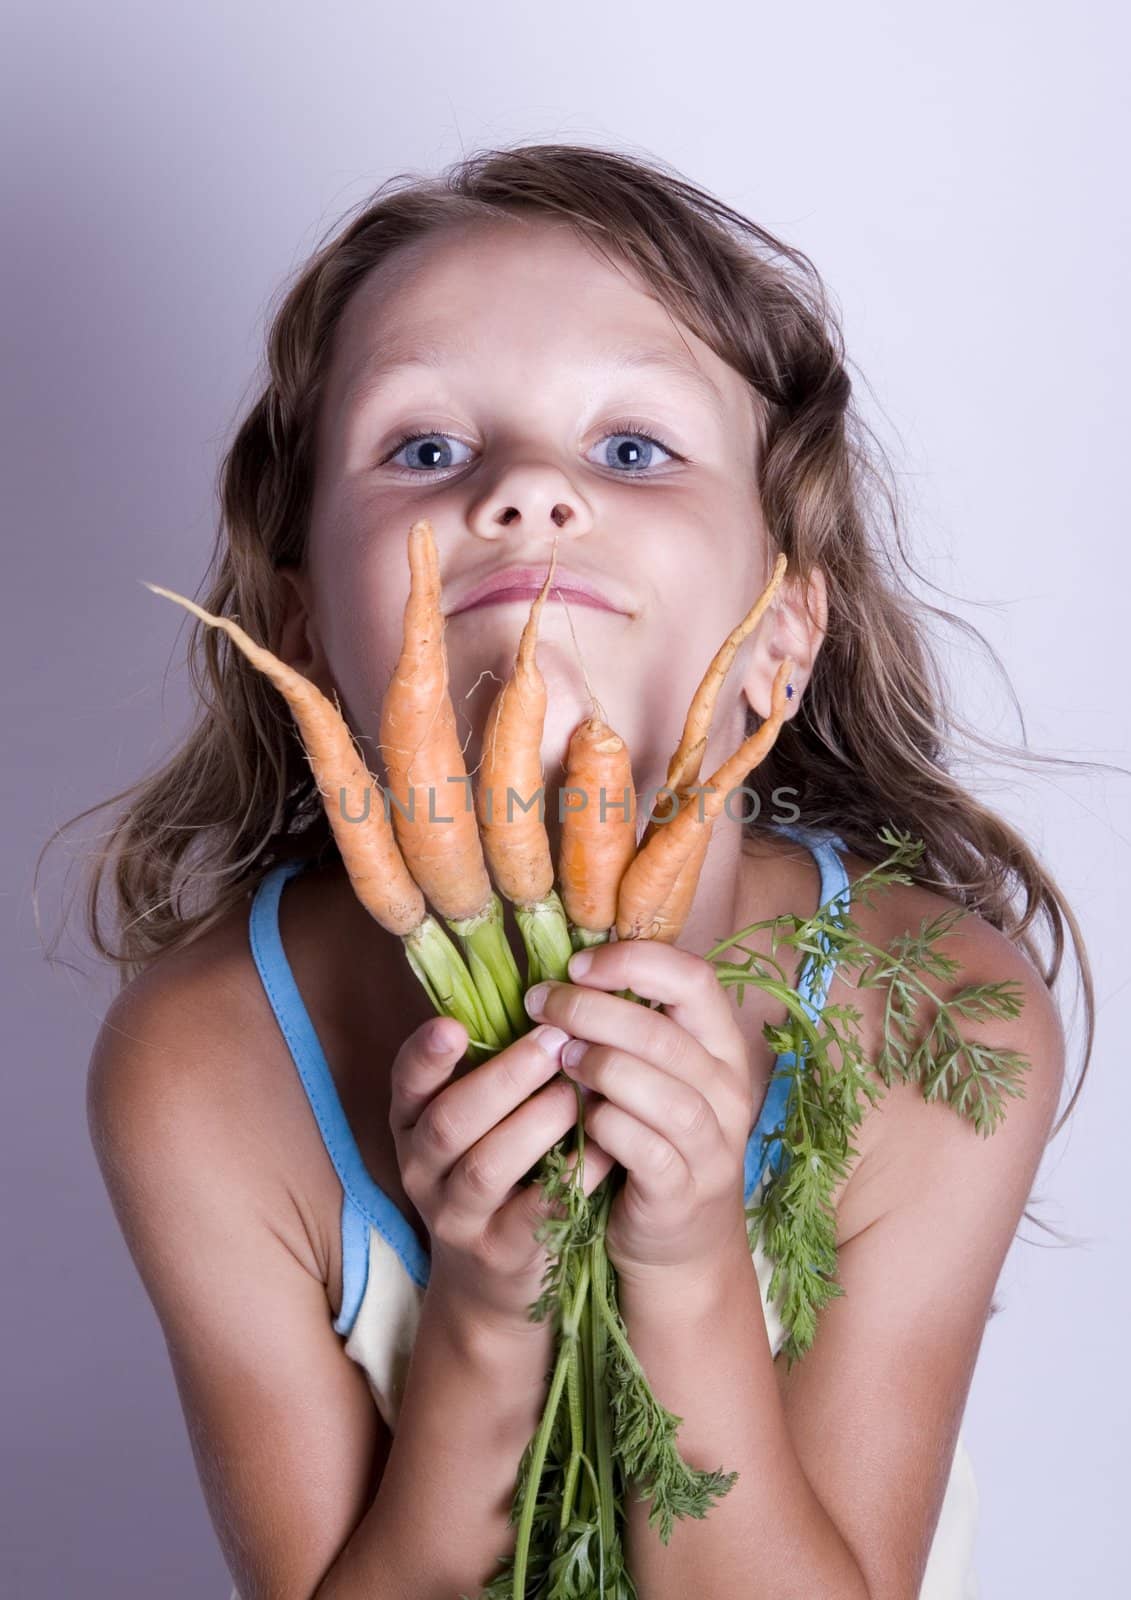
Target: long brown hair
{"points": [[872, 739]]}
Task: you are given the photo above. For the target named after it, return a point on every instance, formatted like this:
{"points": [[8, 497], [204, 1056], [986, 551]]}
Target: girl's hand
{"points": [[673, 1103], [464, 1145]]}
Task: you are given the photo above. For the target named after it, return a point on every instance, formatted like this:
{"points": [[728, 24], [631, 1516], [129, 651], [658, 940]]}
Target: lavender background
{"points": [[959, 180]]}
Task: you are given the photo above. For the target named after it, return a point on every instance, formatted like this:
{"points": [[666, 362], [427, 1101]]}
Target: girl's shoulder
{"points": [[906, 1135], [194, 1037]]}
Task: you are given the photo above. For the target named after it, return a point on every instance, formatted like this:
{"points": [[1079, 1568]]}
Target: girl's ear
{"points": [[794, 626], [299, 644]]}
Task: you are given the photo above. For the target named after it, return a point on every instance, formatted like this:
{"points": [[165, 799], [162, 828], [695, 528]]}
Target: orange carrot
{"points": [[673, 913], [510, 774], [651, 877], [368, 847], [683, 768], [421, 750], [380, 877], [595, 850]]}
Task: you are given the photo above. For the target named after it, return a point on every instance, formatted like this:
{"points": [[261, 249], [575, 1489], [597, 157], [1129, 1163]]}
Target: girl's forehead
{"points": [[471, 296], [547, 267]]}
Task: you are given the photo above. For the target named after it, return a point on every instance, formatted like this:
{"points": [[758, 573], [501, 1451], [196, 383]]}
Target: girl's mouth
{"points": [[526, 583], [528, 592]]}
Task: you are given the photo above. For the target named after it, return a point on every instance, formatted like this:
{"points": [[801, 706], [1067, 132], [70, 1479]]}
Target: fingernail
{"points": [[439, 1039], [573, 1052], [536, 998], [549, 1040], [579, 963]]}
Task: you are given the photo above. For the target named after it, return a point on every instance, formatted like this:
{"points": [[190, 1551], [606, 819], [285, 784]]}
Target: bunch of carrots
{"points": [[602, 1427]]}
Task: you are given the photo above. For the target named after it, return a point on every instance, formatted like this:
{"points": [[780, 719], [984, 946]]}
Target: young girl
{"points": [[556, 347]]}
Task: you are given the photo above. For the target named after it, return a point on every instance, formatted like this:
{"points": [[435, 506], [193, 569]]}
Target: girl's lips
{"points": [[525, 583], [530, 592]]}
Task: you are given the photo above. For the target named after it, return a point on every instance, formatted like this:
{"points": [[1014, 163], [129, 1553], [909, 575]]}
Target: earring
{"points": [[789, 691]]}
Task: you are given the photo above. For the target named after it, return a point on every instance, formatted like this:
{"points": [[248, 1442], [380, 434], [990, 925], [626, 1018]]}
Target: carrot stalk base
{"points": [[493, 969], [445, 978], [546, 935]]}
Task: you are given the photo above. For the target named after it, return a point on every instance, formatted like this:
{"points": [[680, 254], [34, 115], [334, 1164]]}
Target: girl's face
{"points": [[548, 396]]}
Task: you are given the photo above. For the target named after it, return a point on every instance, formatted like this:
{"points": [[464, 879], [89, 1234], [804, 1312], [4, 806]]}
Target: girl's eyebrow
{"points": [[376, 371]]}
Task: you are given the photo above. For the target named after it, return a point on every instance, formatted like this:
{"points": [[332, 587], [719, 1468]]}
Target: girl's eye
{"points": [[629, 447], [624, 449], [434, 455]]}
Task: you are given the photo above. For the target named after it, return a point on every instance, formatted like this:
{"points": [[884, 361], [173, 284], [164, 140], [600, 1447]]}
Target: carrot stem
{"points": [[449, 985], [576, 1435], [567, 1338], [598, 1334], [493, 969], [546, 935]]}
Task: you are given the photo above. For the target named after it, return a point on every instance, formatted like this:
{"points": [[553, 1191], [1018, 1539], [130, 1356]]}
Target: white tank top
{"points": [[385, 1269]]}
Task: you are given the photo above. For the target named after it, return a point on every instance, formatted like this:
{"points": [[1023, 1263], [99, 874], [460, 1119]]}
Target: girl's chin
{"points": [[562, 719]]}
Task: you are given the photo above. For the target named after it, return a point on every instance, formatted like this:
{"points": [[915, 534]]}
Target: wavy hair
{"points": [[874, 740]]}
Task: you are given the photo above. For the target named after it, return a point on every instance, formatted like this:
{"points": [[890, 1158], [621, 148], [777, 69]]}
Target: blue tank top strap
{"points": [[364, 1202], [355, 1263], [764, 1150]]}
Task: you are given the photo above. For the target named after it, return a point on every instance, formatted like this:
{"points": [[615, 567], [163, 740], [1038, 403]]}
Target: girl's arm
{"points": [[473, 1398], [306, 1492]]}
